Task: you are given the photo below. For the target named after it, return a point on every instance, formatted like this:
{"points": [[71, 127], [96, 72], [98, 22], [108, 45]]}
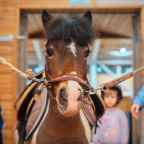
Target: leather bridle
{"points": [[83, 83]]}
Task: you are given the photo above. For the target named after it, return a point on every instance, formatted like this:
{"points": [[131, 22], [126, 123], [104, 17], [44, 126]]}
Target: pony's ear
{"points": [[46, 18], [88, 16]]}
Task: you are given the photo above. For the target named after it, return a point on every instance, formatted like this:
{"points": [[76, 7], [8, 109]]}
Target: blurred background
{"points": [[117, 49]]}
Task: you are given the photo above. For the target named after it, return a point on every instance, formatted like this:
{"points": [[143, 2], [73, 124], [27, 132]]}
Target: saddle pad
{"points": [[86, 125], [37, 113], [25, 97], [89, 111]]}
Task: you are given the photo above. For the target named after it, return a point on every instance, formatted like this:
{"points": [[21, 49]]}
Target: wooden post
{"points": [[22, 50], [136, 64], [142, 74], [138, 29]]}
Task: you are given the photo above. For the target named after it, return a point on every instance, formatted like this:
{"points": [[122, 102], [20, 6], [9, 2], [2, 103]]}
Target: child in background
{"points": [[114, 127]]}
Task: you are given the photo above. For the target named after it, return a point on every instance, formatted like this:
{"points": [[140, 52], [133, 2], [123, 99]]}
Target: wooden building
{"points": [[122, 20]]}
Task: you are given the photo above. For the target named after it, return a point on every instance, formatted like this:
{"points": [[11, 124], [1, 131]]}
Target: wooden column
{"points": [[8, 79], [138, 27], [22, 50], [136, 64], [142, 74]]}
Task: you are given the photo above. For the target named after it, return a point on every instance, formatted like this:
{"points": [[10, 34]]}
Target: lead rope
{"points": [[29, 74]]}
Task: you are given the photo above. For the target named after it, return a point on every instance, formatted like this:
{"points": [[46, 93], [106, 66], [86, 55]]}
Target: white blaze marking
{"points": [[72, 48], [72, 85]]}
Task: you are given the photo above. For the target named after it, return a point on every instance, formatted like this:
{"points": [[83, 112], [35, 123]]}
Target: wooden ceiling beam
{"points": [[65, 5], [106, 34], [37, 34]]}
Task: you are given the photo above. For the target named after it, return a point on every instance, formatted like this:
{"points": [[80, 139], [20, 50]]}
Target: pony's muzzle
{"points": [[68, 98]]}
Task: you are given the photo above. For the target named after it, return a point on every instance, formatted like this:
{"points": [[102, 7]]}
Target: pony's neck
{"points": [[65, 126], [57, 128]]}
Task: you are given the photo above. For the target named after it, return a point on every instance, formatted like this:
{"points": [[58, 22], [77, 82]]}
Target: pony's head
{"points": [[67, 48]]}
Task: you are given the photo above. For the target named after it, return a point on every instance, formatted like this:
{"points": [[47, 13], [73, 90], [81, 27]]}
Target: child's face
{"points": [[110, 98]]}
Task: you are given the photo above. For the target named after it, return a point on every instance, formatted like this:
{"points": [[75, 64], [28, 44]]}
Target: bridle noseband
{"points": [[73, 77]]}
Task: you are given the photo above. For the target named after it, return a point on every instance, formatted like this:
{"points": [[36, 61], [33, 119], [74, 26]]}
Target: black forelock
{"points": [[77, 29]]}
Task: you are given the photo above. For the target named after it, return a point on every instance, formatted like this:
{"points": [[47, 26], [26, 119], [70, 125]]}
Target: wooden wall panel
{"points": [[9, 3], [9, 45], [8, 12], [8, 79], [7, 26], [6, 50], [8, 125], [8, 136], [6, 96], [7, 105], [5, 90]]}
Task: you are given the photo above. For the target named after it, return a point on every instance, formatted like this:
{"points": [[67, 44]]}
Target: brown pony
{"points": [[67, 48]]}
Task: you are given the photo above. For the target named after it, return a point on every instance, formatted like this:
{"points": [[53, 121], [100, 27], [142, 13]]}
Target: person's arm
{"points": [[137, 103], [139, 99], [124, 128]]}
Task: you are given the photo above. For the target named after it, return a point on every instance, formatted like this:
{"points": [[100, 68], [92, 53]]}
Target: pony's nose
{"points": [[63, 95]]}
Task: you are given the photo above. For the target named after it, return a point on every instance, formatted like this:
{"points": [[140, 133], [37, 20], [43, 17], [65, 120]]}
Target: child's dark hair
{"points": [[119, 92]]}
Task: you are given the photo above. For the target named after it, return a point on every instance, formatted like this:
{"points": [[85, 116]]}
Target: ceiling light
{"points": [[123, 50]]}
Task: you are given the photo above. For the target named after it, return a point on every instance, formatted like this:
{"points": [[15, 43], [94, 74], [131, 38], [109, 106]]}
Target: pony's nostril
{"points": [[63, 94], [79, 98]]}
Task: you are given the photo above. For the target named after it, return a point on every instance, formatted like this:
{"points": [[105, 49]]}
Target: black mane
{"points": [[78, 29]]}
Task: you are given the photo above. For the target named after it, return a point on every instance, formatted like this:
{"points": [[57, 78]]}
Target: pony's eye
{"points": [[49, 52], [86, 54]]}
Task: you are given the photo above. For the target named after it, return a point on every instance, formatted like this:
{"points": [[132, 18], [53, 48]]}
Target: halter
{"points": [[86, 88]]}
